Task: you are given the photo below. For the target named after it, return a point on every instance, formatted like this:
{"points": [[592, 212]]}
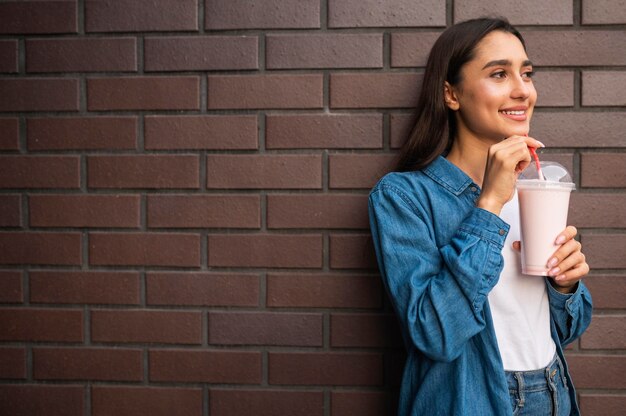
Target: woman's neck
{"points": [[470, 155]]}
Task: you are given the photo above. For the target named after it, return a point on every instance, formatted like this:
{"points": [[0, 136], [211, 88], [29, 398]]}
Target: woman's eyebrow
{"points": [[505, 62]]}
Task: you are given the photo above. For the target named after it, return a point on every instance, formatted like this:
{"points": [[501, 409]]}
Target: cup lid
{"points": [[553, 172]]}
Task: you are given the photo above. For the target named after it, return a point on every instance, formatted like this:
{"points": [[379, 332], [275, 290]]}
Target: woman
{"points": [[482, 339]]}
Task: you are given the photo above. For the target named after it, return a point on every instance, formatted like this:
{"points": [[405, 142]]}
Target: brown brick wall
{"points": [[183, 189]]}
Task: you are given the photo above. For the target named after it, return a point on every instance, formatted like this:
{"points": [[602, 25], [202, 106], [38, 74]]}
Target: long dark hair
{"points": [[435, 125]]}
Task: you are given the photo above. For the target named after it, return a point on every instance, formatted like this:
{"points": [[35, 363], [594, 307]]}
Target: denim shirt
{"points": [[439, 256]]}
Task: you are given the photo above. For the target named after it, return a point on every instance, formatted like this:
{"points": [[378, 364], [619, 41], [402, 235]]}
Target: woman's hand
{"points": [[567, 265], [505, 161]]}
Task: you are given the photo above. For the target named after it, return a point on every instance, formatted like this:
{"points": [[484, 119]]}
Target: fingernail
{"points": [[542, 145], [554, 271], [553, 261], [560, 240], [561, 277]]}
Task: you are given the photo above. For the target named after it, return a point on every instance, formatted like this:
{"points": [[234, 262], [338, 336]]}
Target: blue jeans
{"points": [[540, 392]]}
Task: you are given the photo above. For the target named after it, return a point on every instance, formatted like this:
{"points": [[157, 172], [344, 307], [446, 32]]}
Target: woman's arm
{"points": [[438, 293]]}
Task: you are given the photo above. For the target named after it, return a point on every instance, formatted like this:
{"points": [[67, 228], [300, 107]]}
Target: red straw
{"points": [[534, 155]]}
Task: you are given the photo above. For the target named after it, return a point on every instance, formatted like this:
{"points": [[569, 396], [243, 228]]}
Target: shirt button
{"points": [[501, 232], [473, 189]]}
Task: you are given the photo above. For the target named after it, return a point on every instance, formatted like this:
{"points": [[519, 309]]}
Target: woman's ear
{"points": [[450, 96]]}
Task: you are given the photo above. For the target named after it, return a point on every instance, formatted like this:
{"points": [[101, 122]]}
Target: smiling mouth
{"points": [[514, 113]]}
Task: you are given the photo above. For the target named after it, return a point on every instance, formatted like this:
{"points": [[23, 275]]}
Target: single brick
{"points": [[362, 403], [49, 325], [143, 93], [317, 211], [141, 15], [597, 371], [12, 365], [597, 210], [603, 12], [579, 129], [11, 288], [194, 53], [8, 55], [265, 250], [205, 366], [603, 170], [81, 55], [608, 291], [264, 171], [86, 363], [324, 51], [85, 287], [300, 290], [411, 49], [144, 249], [390, 13], [145, 401], [10, 210], [326, 368], [146, 326], [554, 88], [602, 404], [606, 333], [235, 402], [352, 251], [84, 210], [559, 12], [265, 91], [576, 48], [9, 134], [214, 132], [317, 131], [605, 88], [364, 330], [39, 94], [361, 171], [78, 133], [265, 328], [204, 211], [605, 251], [39, 172], [38, 17], [143, 171], [37, 399], [262, 14], [202, 289], [40, 248], [391, 90]]}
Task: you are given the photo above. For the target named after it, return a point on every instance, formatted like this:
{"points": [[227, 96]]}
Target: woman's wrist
{"points": [[488, 204]]}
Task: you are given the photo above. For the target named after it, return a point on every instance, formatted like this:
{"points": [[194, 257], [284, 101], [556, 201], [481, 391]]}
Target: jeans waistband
{"points": [[536, 379]]}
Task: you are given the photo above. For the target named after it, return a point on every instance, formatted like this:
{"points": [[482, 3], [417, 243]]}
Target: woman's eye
{"points": [[529, 74], [499, 74]]}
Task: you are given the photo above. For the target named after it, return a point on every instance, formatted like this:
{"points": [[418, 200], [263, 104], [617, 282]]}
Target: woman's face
{"points": [[496, 95]]}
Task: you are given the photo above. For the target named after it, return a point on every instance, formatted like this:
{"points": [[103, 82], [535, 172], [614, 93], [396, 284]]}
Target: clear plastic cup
{"points": [[543, 206]]}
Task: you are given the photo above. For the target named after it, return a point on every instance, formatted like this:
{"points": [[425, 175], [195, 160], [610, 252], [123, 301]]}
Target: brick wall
{"points": [[183, 193]]}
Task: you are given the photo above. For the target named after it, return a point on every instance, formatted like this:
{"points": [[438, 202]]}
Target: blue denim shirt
{"points": [[439, 256]]}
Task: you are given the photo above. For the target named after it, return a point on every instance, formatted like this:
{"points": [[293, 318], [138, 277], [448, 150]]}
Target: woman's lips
{"points": [[517, 115]]}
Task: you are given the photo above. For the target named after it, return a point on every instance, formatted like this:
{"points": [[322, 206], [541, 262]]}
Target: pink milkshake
{"points": [[543, 208]]}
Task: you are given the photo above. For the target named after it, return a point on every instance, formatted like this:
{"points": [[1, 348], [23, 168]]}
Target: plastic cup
{"points": [[543, 206]]}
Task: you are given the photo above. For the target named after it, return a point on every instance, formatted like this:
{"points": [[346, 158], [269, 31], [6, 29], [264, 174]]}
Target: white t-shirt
{"points": [[520, 307]]}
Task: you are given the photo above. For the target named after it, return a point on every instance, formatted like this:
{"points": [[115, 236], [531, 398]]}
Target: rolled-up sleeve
{"points": [[570, 312]]}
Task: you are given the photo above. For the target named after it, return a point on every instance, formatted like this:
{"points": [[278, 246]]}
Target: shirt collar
{"points": [[448, 175]]}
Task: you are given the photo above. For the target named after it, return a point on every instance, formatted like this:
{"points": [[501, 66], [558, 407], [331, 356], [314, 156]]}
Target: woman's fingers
{"points": [[567, 234]]}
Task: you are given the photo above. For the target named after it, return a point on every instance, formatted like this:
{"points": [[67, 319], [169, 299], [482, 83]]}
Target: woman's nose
{"points": [[521, 87]]}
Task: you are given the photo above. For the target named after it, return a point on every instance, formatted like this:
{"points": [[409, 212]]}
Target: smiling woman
{"points": [[481, 338]]}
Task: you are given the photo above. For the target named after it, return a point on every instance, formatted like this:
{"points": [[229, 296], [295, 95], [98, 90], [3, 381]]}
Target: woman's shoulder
{"points": [[402, 182]]}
